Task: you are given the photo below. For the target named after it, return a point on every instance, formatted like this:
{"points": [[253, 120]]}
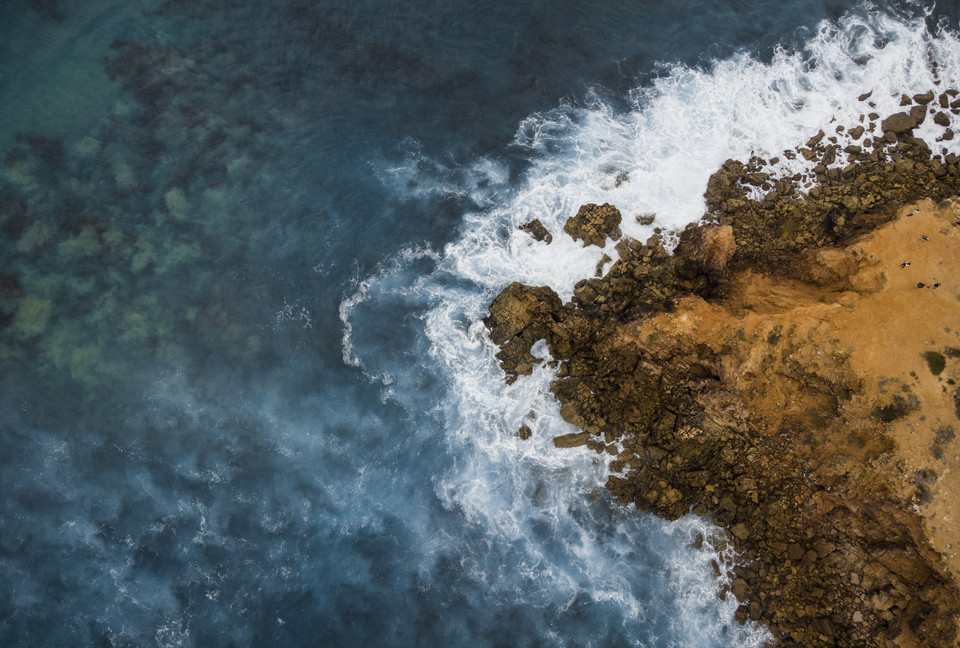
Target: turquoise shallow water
{"points": [[244, 247]]}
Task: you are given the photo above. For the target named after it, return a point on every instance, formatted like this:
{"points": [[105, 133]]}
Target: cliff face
{"points": [[789, 372]]}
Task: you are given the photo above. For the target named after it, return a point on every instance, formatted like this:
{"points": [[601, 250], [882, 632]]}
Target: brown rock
{"points": [[586, 293], [602, 262], [740, 589], [826, 266], [519, 317], [594, 223], [524, 432], [709, 246], [740, 530], [518, 307], [742, 614], [824, 548], [795, 551], [898, 123], [571, 440], [919, 113]]}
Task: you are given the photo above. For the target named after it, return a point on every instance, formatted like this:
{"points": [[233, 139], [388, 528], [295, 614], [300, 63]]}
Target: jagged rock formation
{"points": [[777, 374], [593, 224]]}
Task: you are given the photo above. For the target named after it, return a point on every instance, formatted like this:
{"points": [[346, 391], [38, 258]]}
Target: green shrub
{"points": [[936, 361]]}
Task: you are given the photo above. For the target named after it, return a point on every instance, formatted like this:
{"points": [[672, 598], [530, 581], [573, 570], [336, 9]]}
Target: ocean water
{"points": [[245, 248]]}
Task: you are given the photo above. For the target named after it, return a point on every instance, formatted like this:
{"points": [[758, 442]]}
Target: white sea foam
{"points": [[383, 282], [656, 158]]}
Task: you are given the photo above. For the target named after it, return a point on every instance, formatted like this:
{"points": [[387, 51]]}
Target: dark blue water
{"points": [[244, 247]]}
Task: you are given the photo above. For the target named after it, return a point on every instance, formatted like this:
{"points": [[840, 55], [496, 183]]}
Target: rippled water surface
{"points": [[244, 251]]}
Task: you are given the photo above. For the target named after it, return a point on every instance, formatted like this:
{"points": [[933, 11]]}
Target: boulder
{"points": [[709, 246], [898, 123], [795, 551], [826, 266], [571, 440], [919, 113], [740, 589], [740, 531]]}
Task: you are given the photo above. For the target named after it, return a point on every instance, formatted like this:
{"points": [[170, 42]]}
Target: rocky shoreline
{"points": [[788, 372]]}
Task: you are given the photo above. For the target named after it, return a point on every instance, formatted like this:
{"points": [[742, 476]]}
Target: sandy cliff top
{"points": [[869, 324]]}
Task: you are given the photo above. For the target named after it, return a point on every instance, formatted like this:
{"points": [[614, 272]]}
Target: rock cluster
{"points": [[854, 174], [594, 223], [831, 552]]}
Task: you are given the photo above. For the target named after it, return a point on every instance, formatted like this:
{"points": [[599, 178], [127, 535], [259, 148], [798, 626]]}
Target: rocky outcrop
{"points": [[593, 224], [519, 316], [770, 375]]}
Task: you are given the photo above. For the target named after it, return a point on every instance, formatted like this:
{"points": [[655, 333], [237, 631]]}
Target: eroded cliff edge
{"points": [[790, 372]]}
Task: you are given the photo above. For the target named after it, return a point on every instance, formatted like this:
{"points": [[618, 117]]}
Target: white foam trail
{"points": [[293, 313], [379, 283], [654, 158], [346, 308]]}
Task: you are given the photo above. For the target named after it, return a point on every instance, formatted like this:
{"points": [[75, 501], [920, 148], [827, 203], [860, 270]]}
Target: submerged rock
{"points": [[536, 229]]}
